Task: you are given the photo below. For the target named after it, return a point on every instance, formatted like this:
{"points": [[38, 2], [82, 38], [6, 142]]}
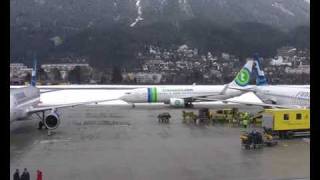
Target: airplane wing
{"points": [[46, 108], [250, 89], [221, 94], [250, 103]]}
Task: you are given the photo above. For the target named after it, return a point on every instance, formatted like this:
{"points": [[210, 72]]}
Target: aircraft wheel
{"points": [[40, 125]]}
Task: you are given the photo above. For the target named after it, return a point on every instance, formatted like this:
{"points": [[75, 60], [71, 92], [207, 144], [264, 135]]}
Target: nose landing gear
{"points": [[188, 105]]}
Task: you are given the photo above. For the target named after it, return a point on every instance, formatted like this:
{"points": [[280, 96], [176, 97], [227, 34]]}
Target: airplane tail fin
{"points": [[243, 77], [34, 73], [260, 77]]}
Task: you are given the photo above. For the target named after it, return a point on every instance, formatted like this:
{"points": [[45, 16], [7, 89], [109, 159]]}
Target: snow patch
{"points": [[185, 7], [247, 97], [41, 2], [57, 40], [283, 9], [115, 3], [139, 18], [76, 96], [162, 2], [54, 141]]}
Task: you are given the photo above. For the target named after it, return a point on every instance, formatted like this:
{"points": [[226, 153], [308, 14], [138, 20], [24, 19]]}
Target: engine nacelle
{"points": [[270, 101], [175, 102], [52, 121]]}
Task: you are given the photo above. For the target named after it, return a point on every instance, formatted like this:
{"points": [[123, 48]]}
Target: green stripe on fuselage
{"points": [[154, 95]]}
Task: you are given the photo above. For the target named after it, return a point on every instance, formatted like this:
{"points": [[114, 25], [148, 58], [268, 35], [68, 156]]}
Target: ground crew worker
{"points": [[16, 175], [210, 115], [245, 120], [25, 175], [39, 175]]}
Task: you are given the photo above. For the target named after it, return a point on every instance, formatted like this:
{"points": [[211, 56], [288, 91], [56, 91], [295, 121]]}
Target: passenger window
{"points": [[298, 116], [286, 117]]}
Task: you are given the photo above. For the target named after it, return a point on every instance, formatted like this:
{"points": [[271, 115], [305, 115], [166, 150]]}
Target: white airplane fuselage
{"points": [[285, 95], [21, 100], [164, 94]]}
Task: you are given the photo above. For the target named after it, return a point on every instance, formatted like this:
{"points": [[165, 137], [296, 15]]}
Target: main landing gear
{"points": [[41, 122], [188, 105]]}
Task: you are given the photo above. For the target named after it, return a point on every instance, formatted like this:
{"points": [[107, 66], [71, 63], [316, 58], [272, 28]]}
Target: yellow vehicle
{"points": [[224, 115], [286, 122], [189, 117]]}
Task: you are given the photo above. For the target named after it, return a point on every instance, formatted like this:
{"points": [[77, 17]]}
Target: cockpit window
{"points": [[128, 93]]}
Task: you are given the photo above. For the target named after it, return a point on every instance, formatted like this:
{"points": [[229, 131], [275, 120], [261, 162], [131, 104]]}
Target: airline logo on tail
{"points": [[243, 77]]}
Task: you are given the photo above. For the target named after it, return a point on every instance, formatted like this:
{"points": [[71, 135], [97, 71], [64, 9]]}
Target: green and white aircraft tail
{"points": [[243, 77]]}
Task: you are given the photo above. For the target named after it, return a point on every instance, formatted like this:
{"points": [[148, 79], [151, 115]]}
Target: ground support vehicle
{"points": [[189, 117], [256, 140], [286, 123], [164, 117], [203, 116], [226, 116]]}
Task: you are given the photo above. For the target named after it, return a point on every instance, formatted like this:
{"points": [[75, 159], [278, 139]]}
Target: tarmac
{"points": [[105, 142]]}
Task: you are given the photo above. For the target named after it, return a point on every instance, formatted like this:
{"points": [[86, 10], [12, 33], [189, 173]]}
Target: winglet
{"points": [[244, 75], [260, 77], [34, 73]]}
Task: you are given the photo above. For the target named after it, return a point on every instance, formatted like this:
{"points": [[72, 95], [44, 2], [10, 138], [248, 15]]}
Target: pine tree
{"points": [[56, 75], [116, 75], [74, 75]]}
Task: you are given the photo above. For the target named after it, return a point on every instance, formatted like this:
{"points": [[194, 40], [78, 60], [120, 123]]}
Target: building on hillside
{"points": [[279, 61], [225, 56], [301, 69], [19, 70], [64, 68], [286, 51], [153, 78]]}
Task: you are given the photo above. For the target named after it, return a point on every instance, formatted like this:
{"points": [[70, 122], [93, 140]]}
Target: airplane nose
{"points": [[123, 97]]}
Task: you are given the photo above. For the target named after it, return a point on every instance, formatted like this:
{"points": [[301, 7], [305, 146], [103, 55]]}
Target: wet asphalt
{"points": [[104, 142]]}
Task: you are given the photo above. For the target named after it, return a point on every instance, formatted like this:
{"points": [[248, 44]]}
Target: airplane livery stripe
{"points": [[152, 95], [149, 95]]}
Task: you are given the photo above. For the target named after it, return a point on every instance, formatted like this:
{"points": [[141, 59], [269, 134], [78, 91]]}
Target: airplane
{"points": [[184, 96], [25, 102], [275, 96]]}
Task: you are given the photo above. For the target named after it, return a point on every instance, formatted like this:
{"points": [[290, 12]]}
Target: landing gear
{"points": [[188, 105], [41, 124]]}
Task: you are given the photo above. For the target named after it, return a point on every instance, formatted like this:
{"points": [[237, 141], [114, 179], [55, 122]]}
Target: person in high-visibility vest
{"points": [[245, 120]]}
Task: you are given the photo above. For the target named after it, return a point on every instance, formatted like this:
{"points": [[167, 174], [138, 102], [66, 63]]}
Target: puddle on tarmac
{"points": [[103, 122]]}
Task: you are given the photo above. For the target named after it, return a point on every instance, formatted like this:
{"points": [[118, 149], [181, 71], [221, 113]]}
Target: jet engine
{"points": [[270, 101], [175, 102], [52, 121]]}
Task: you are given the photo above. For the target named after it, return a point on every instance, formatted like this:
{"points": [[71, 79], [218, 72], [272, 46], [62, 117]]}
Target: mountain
{"points": [[115, 30]]}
